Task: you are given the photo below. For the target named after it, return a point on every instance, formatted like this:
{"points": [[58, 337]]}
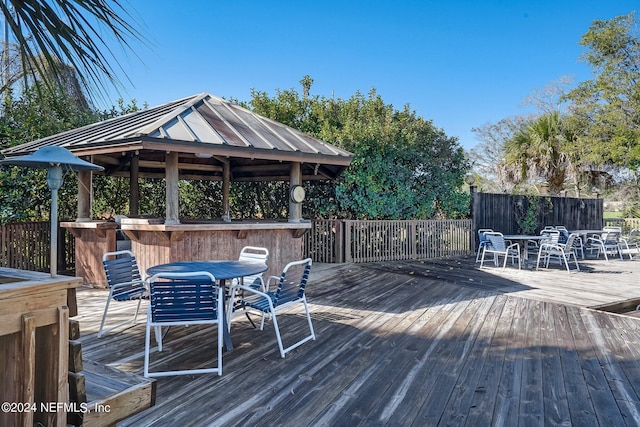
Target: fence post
{"points": [[339, 242], [348, 256]]}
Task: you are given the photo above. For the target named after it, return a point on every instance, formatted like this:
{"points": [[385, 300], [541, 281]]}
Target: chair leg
{"points": [[566, 263], [277, 330], [104, 315], [147, 344]]}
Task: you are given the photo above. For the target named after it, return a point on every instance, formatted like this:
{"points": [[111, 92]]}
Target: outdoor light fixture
{"points": [[470, 178], [56, 160]]}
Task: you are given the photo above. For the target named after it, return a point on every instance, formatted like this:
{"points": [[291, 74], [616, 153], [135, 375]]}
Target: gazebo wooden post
{"points": [[134, 185], [226, 185], [295, 178], [173, 207], [84, 196]]}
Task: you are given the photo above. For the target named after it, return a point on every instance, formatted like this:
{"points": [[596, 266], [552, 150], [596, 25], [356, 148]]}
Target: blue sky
{"points": [[461, 64]]}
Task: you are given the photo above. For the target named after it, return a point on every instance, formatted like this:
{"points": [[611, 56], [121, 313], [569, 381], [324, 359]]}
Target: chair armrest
{"points": [[257, 292], [516, 245], [267, 285], [144, 283]]}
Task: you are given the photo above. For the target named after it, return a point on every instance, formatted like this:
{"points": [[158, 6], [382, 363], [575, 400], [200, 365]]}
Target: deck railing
{"points": [[371, 241], [627, 224], [27, 246]]}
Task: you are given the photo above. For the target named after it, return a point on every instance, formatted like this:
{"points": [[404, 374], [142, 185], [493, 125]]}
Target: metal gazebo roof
{"points": [[205, 131]]}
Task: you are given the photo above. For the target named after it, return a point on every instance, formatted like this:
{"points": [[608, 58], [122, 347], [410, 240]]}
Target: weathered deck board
{"points": [[408, 343]]}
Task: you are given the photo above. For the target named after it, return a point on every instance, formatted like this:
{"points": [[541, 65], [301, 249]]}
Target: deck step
{"points": [[113, 395]]}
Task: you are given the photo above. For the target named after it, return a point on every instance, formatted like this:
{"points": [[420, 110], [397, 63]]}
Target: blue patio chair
{"points": [[563, 251], [290, 290], [482, 240], [252, 254], [183, 299], [125, 284], [497, 247]]}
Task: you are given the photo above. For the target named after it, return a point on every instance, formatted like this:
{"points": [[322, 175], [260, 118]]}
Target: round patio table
{"points": [[221, 270]]}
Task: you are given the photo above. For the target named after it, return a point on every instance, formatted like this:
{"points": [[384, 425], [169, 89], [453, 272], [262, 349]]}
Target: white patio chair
{"points": [[125, 284], [496, 246], [563, 251], [482, 240], [608, 243], [183, 299], [290, 290], [630, 245], [252, 254]]}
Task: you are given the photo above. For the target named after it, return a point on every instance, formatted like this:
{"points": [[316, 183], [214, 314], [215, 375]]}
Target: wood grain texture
{"points": [[433, 342]]}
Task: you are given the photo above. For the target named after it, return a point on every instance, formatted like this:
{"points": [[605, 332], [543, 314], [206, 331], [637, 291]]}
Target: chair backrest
{"points": [[256, 255], [496, 241], [634, 236], [293, 282], [481, 233], [122, 267], [550, 236], [563, 236], [610, 237], [183, 297], [571, 240]]}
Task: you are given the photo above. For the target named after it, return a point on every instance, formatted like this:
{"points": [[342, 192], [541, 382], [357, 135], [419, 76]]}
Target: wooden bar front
{"points": [[34, 336], [161, 243], [93, 239]]}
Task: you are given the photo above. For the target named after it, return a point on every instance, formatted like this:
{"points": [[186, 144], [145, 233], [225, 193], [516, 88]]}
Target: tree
{"points": [[51, 34], [488, 158], [538, 151], [609, 104], [404, 167]]}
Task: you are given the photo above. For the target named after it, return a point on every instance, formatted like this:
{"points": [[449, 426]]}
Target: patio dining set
{"points": [[557, 243], [205, 293]]}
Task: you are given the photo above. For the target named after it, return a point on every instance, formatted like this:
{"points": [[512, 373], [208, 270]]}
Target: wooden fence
{"points": [[371, 241], [506, 212], [27, 246]]}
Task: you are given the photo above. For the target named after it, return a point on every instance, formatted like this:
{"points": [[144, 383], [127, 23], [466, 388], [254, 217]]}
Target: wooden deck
{"points": [[410, 343]]}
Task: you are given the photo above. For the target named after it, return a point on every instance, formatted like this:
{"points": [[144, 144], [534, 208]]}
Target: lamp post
{"points": [[56, 160]]}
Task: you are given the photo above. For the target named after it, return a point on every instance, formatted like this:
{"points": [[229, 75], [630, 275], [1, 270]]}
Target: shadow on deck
{"points": [[409, 343]]}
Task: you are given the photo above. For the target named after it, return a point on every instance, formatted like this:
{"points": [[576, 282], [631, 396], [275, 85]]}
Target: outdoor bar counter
{"points": [[155, 242]]}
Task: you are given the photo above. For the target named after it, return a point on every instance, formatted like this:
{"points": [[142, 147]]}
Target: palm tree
{"points": [[52, 35], [537, 150]]}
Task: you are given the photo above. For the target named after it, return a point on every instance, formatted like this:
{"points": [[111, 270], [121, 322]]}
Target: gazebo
{"points": [[201, 137]]}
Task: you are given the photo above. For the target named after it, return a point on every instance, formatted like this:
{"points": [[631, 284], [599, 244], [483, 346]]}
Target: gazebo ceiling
{"points": [[206, 132]]}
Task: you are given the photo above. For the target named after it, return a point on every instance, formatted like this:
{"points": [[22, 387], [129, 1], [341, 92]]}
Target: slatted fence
{"points": [[371, 241], [27, 246]]}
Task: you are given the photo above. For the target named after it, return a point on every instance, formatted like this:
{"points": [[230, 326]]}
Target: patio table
{"points": [[522, 240], [221, 270]]}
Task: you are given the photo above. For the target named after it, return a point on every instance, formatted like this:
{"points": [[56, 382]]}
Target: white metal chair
{"points": [[183, 299], [608, 242], [125, 284], [482, 240], [630, 245], [290, 290], [252, 254], [563, 251], [496, 246]]}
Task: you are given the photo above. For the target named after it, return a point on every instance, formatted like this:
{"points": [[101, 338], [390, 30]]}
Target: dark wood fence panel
{"points": [[500, 212], [27, 246]]}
